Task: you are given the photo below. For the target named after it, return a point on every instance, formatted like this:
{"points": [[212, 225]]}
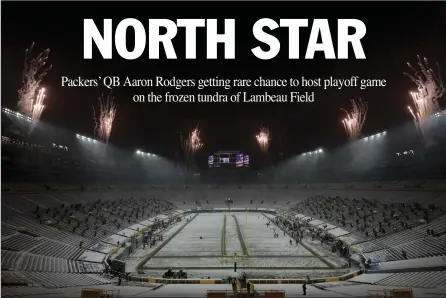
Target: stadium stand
{"points": [[20, 242], [64, 280], [14, 279], [384, 231], [421, 248], [429, 279], [49, 237], [40, 263]]}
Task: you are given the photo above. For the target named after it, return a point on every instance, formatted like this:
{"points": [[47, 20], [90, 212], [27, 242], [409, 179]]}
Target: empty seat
{"points": [[20, 242], [428, 279], [64, 280], [56, 249]]}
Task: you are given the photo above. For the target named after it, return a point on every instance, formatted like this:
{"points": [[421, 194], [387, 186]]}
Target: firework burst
{"points": [[355, 119], [38, 105], [193, 142], [429, 90], [107, 113], [35, 69], [263, 138]]}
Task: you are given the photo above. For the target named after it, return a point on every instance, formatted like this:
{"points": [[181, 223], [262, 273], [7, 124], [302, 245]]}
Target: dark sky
{"points": [[396, 33]]}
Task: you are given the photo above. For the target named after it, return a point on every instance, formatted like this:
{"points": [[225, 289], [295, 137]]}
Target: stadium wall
{"points": [[254, 281]]}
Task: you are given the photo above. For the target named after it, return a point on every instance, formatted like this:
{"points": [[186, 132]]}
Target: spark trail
{"points": [[354, 122], [107, 113], [35, 69], [263, 139], [193, 142], [38, 105], [430, 89]]}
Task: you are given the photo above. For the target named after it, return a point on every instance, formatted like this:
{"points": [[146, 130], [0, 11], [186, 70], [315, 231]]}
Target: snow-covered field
{"points": [[255, 273], [187, 251], [260, 240], [233, 244], [188, 242], [210, 262]]}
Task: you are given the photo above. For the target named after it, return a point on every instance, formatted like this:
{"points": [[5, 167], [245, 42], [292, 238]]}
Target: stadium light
{"points": [[86, 139], [17, 114], [60, 146], [439, 114], [375, 136], [317, 151], [409, 152], [139, 152]]}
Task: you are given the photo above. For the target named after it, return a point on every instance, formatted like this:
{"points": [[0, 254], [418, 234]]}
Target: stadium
{"points": [[132, 193], [123, 238]]}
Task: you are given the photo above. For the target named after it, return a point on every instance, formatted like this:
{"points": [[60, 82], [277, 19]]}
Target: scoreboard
{"points": [[228, 159]]}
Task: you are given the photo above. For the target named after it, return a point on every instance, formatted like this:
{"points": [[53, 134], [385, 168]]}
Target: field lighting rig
{"points": [[86, 139], [317, 151], [439, 114], [140, 153], [375, 136], [17, 114]]}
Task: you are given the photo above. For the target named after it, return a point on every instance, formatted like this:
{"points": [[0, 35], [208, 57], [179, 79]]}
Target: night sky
{"points": [[396, 33]]}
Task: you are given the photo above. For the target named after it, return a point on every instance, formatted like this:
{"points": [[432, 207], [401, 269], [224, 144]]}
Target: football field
{"points": [[212, 242]]}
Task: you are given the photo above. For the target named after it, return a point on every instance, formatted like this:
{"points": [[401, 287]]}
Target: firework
{"points": [[193, 143], [38, 105], [355, 119], [107, 113], [263, 138], [429, 90], [35, 69]]}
